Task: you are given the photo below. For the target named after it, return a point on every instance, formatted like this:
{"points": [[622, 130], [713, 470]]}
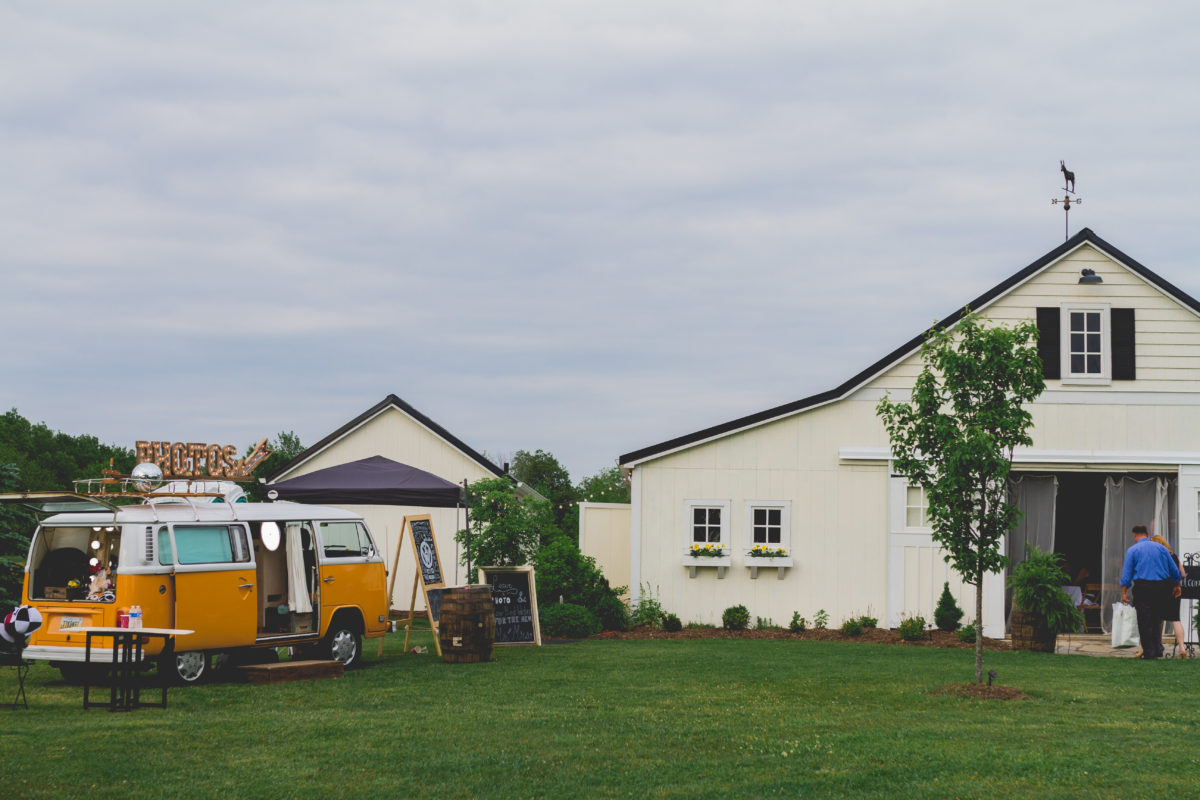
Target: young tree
{"points": [[956, 439], [284, 447], [505, 529]]}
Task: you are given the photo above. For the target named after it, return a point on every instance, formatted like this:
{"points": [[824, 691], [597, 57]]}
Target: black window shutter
{"points": [[1124, 357], [1048, 344]]}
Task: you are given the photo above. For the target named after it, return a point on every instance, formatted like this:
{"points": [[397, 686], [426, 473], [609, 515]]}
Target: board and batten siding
{"points": [[836, 540], [604, 536], [395, 435]]}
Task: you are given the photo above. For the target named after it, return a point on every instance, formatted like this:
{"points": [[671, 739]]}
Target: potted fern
{"points": [[1041, 610]]}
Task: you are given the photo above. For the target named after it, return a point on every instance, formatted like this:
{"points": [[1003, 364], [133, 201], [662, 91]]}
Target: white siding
{"points": [[604, 535]]}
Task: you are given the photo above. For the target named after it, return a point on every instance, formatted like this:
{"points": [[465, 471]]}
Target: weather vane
{"points": [[1069, 188]]}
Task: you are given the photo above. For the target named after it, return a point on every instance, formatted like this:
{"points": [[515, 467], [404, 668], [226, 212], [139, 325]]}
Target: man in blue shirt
{"points": [[1152, 573]]}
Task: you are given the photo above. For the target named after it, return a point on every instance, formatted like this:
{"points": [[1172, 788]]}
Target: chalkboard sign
{"points": [[1191, 577], [433, 600], [426, 551], [514, 600]]}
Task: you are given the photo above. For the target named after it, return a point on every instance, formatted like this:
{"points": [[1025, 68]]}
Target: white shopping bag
{"points": [[1124, 626]]}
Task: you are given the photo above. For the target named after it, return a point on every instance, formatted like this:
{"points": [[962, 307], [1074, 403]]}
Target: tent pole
{"points": [[467, 527]]}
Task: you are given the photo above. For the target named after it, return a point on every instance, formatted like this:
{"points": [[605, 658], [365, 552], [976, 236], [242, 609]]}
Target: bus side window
{"points": [[165, 555]]}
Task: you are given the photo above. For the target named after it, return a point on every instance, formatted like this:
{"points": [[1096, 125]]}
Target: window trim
{"points": [[785, 523], [925, 497], [1104, 377], [690, 505]]}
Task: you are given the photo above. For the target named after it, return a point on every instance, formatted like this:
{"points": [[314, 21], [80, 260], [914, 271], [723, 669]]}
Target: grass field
{"points": [[680, 719]]}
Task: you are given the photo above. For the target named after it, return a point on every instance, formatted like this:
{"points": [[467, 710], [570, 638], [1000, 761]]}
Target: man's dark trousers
{"points": [[1149, 600]]}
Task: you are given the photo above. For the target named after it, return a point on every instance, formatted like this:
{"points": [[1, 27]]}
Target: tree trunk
{"points": [[979, 628]]}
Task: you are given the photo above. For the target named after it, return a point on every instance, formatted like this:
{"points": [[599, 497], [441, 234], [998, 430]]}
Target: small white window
{"points": [[1086, 343], [768, 525], [707, 522], [916, 507]]}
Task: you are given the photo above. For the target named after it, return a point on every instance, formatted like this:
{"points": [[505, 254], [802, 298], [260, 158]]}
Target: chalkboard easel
{"points": [[514, 601], [419, 531]]}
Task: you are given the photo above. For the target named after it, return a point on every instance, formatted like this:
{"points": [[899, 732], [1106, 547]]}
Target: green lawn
{"points": [[701, 718]]}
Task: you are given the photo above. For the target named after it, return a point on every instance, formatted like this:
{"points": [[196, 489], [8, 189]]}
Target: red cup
{"points": [[122, 620]]}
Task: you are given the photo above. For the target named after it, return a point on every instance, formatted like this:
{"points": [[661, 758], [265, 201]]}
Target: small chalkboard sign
{"points": [[514, 601], [433, 598], [426, 549]]}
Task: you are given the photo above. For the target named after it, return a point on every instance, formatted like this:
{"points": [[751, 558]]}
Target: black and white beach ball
{"points": [[20, 623]]}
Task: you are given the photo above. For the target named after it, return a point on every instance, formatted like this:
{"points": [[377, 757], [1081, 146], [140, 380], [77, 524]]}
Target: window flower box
{"points": [[707, 555], [762, 555]]}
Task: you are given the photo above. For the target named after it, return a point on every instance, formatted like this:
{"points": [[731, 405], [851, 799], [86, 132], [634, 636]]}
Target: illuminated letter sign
{"points": [[197, 460]]}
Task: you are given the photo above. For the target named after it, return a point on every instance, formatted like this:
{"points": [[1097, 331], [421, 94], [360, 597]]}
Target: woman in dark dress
{"points": [[1171, 610]]}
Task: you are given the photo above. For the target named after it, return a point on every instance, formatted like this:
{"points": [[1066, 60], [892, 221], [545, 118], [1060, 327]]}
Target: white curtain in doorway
{"points": [[1036, 497], [1128, 502], [299, 601]]}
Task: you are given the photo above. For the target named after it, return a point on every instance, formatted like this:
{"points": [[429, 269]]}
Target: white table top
{"points": [[155, 631]]}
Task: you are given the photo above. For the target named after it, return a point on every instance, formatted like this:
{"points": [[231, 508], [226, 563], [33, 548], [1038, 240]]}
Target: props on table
{"points": [[20, 624]]}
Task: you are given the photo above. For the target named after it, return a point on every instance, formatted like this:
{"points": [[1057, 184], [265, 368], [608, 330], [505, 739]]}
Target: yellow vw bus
{"points": [[241, 575]]}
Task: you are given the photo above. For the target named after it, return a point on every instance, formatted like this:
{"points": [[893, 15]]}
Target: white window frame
{"points": [[1104, 377], [785, 523], [690, 505], [908, 487]]}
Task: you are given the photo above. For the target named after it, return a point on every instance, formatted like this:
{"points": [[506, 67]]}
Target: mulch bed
{"points": [[872, 635], [981, 691]]}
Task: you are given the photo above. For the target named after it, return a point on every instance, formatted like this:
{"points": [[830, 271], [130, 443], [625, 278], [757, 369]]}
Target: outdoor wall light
{"points": [[95, 544], [1089, 276]]}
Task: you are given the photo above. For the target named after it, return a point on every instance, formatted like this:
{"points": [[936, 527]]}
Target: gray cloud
{"points": [[574, 226]]}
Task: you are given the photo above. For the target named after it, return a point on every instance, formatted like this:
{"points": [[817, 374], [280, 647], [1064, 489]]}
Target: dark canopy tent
{"points": [[370, 481]]}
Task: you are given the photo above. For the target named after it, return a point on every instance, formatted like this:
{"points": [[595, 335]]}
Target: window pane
{"points": [[1077, 363], [1076, 321], [164, 547], [914, 496], [203, 545], [1093, 365], [1093, 322], [1093, 342], [714, 534], [775, 516], [699, 533], [773, 536], [697, 516], [914, 518], [1077, 340], [714, 516], [760, 516], [341, 540]]}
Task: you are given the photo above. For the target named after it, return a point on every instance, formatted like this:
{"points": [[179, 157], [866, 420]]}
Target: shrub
{"points": [[798, 624], [736, 618], [852, 627], [671, 623], [912, 628], [765, 624], [868, 622], [647, 610], [966, 633], [564, 572], [700, 626], [821, 619], [568, 621], [947, 615], [1037, 588], [612, 613]]}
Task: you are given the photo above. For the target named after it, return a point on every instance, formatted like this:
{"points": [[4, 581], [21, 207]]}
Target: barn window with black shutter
{"points": [[1086, 343]]}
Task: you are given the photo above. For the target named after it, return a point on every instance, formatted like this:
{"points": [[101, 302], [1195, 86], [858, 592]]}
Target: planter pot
{"points": [[1030, 633]]}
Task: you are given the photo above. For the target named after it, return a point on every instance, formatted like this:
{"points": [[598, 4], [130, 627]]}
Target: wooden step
{"points": [[284, 671]]}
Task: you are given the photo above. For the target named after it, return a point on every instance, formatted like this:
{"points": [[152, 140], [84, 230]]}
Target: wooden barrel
{"points": [[467, 624], [1029, 634]]}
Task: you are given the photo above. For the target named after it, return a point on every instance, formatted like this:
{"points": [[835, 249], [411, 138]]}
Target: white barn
{"points": [[1116, 441]]}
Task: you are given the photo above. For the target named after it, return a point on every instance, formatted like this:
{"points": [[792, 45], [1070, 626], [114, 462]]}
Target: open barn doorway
{"points": [[1086, 517]]}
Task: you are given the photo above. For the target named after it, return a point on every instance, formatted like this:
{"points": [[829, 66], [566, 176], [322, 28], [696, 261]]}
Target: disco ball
{"points": [[146, 476]]}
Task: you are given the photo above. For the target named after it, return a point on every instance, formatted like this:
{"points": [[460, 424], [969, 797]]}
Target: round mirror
{"points": [[270, 535]]}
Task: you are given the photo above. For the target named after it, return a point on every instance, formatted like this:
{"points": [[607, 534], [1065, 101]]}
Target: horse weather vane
{"points": [[1069, 188]]}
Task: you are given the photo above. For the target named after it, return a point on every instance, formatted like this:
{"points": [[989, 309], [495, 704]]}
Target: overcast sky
{"points": [[579, 227]]}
